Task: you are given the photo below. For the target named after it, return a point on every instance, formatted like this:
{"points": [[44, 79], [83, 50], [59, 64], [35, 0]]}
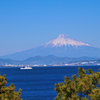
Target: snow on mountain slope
{"points": [[65, 40]]}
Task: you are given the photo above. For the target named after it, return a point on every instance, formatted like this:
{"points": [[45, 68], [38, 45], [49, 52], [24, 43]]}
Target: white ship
{"points": [[26, 67]]}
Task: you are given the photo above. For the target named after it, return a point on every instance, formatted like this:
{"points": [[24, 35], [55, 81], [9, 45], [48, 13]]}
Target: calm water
{"points": [[38, 83]]}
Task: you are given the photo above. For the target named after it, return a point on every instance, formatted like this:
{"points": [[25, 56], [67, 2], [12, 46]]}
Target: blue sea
{"points": [[39, 82]]}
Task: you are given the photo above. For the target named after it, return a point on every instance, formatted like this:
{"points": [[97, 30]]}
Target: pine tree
{"points": [[83, 87], [8, 93]]}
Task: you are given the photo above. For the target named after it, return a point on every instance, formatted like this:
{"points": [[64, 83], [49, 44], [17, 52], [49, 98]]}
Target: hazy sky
{"points": [[25, 24]]}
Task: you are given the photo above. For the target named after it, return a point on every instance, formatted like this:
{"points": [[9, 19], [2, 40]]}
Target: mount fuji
{"points": [[65, 40], [62, 46]]}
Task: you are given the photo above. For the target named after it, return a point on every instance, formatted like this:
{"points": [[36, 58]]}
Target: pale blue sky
{"points": [[25, 24]]}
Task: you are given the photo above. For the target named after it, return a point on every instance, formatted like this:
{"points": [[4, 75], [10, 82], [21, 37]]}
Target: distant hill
{"points": [[48, 60], [62, 46], [51, 59], [8, 61]]}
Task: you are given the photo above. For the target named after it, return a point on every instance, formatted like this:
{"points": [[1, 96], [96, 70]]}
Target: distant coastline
{"points": [[50, 60]]}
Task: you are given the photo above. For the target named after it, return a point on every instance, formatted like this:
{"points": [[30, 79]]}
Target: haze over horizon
{"points": [[27, 24]]}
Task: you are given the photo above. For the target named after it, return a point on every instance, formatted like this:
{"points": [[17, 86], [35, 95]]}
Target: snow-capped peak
{"points": [[63, 39]]}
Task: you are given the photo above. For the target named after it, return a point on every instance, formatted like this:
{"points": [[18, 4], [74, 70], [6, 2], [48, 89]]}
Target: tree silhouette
{"points": [[8, 93], [83, 87]]}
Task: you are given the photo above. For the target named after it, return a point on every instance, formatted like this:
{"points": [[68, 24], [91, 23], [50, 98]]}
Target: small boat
{"points": [[26, 67]]}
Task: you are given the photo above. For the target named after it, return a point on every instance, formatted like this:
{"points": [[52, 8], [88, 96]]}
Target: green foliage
{"points": [[83, 87], [8, 93]]}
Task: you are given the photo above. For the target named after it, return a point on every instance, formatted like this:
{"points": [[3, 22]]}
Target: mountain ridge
{"points": [[62, 46], [48, 60]]}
